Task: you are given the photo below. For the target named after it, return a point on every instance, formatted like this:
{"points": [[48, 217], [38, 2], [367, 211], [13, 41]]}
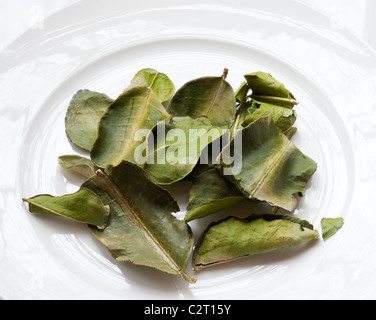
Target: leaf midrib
{"points": [[271, 167], [117, 195]]}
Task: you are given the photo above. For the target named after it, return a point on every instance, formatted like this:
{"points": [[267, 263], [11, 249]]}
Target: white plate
{"points": [[100, 47]]}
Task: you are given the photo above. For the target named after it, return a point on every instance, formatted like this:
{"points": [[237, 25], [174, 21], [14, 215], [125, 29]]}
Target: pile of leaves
{"points": [[125, 203]]}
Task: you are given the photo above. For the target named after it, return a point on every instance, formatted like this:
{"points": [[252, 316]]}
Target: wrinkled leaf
{"points": [[84, 113], [269, 98], [84, 206], [284, 118], [207, 106], [331, 226], [161, 85], [269, 90], [235, 238], [210, 193], [78, 164], [141, 228], [273, 169], [136, 109]]}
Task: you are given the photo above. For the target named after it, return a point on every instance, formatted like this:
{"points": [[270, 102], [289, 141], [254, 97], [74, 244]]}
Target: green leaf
{"points": [[235, 238], [284, 118], [84, 113], [135, 111], [242, 92], [269, 98], [273, 169], [209, 97], [176, 156], [141, 228], [202, 110], [84, 206], [267, 89], [210, 193], [161, 85], [331, 226], [78, 164]]}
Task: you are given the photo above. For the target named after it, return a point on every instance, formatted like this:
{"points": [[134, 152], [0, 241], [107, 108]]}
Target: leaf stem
{"points": [[225, 73]]}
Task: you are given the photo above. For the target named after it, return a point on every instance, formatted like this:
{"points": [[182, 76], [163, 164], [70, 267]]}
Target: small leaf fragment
{"points": [[84, 206], [235, 238], [330, 226], [83, 115]]}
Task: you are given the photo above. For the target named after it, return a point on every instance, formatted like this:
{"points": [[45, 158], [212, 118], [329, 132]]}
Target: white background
{"points": [[16, 16]]}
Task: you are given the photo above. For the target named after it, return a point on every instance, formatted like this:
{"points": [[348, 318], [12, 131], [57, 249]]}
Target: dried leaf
{"points": [[235, 238], [78, 164], [273, 169], [84, 113], [84, 206], [331, 226], [161, 85], [141, 228], [137, 109], [210, 193], [206, 105], [267, 89], [209, 97]]}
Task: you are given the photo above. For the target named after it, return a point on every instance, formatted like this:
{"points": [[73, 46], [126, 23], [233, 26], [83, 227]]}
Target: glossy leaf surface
{"points": [[235, 238], [273, 169], [136, 109], [84, 206], [141, 228], [84, 113]]}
